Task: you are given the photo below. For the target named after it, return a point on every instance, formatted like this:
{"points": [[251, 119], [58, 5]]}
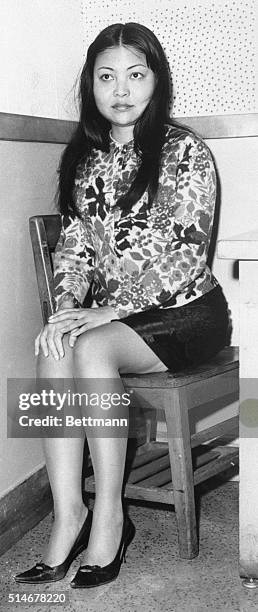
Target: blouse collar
{"points": [[123, 147]]}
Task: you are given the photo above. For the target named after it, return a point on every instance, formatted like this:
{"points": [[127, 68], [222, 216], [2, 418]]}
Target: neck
{"points": [[122, 134]]}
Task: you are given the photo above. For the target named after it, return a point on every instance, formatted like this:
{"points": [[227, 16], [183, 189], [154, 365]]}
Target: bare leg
{"points": [[103, 352], [64, 466]]}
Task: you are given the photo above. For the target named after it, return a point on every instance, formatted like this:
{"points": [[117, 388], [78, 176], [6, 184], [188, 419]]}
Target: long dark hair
{"points": [[93, 129]]}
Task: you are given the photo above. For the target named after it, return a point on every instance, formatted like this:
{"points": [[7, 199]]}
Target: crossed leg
{"points": [[104, 352]]}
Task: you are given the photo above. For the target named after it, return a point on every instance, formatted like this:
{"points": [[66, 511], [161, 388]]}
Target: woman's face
{"points": [[123, 85]]}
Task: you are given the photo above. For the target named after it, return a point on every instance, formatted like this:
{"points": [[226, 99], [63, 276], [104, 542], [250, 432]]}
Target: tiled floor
{"points": [[154, 579]]}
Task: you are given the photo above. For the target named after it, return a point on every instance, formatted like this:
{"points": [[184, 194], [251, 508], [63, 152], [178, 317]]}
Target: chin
{"points": [[123, 119]]}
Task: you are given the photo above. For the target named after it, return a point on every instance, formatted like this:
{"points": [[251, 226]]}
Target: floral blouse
{"points": [[143, 258]]}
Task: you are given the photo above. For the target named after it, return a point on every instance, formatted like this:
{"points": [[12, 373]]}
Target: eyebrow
{"points": [[130, 67]]}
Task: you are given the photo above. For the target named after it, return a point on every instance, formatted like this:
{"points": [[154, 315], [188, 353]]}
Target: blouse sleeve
{"points": [[194, 207], [189, 231], [74, 260]]}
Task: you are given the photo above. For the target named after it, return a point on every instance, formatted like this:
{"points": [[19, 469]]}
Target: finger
{"points": [[37, 344], [52, 347], [72, 340], [69, 327], [62, 310], [43, 344], [80, 330], [59, 345], [68, 313], [74, 335]]}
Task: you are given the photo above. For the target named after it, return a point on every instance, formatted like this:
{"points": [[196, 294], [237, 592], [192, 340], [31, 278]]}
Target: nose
{"points": [[121, 88]]}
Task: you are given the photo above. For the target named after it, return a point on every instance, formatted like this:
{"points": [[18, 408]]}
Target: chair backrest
{"points": [[44, 232]]}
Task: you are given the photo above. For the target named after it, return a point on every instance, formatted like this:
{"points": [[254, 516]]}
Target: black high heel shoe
{"points": [[89, 576], [45, 573]]}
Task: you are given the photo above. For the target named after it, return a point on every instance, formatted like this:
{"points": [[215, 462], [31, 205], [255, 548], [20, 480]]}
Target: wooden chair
{"points": [[164, 472]]}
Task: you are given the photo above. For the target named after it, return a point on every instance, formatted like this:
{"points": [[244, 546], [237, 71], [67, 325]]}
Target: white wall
{"points": [[44, 44], [41, 47], [27, 186], [41, 42]]}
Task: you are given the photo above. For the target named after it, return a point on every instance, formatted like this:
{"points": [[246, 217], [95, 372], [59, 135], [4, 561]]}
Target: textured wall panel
{"points": [[210, 46]]}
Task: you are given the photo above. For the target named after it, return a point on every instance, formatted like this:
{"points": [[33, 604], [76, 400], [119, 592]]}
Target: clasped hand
{"points": [[70, 320]]}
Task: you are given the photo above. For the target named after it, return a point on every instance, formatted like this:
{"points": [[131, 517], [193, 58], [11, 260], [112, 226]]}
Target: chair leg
{"points": [[179, 444]]}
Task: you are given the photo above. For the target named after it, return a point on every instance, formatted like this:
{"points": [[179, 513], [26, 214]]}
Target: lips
{"points": [[122, 106]]}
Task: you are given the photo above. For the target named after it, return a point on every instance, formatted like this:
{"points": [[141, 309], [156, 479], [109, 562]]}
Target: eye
{"points": [[106, 76], [137, 75]]}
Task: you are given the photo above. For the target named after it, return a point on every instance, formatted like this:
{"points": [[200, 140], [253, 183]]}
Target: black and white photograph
{"points": [[129, 359]]}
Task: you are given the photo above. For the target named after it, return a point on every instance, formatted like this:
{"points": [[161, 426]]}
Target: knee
{"points": [[86, 346], [44, 364], [92, 348]]}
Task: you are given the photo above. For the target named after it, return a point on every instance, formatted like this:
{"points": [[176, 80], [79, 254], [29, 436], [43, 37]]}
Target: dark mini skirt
{"points": [[186, 335]]}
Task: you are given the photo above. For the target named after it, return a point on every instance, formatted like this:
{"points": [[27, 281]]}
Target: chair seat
{"points": [[225, 360]]}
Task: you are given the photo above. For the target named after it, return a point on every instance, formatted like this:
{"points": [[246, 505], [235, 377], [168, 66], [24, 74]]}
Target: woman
{"points": [[137, 198]]}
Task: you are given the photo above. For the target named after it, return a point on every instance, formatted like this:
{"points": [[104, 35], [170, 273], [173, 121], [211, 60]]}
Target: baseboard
{"points": [[23, 507]]}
